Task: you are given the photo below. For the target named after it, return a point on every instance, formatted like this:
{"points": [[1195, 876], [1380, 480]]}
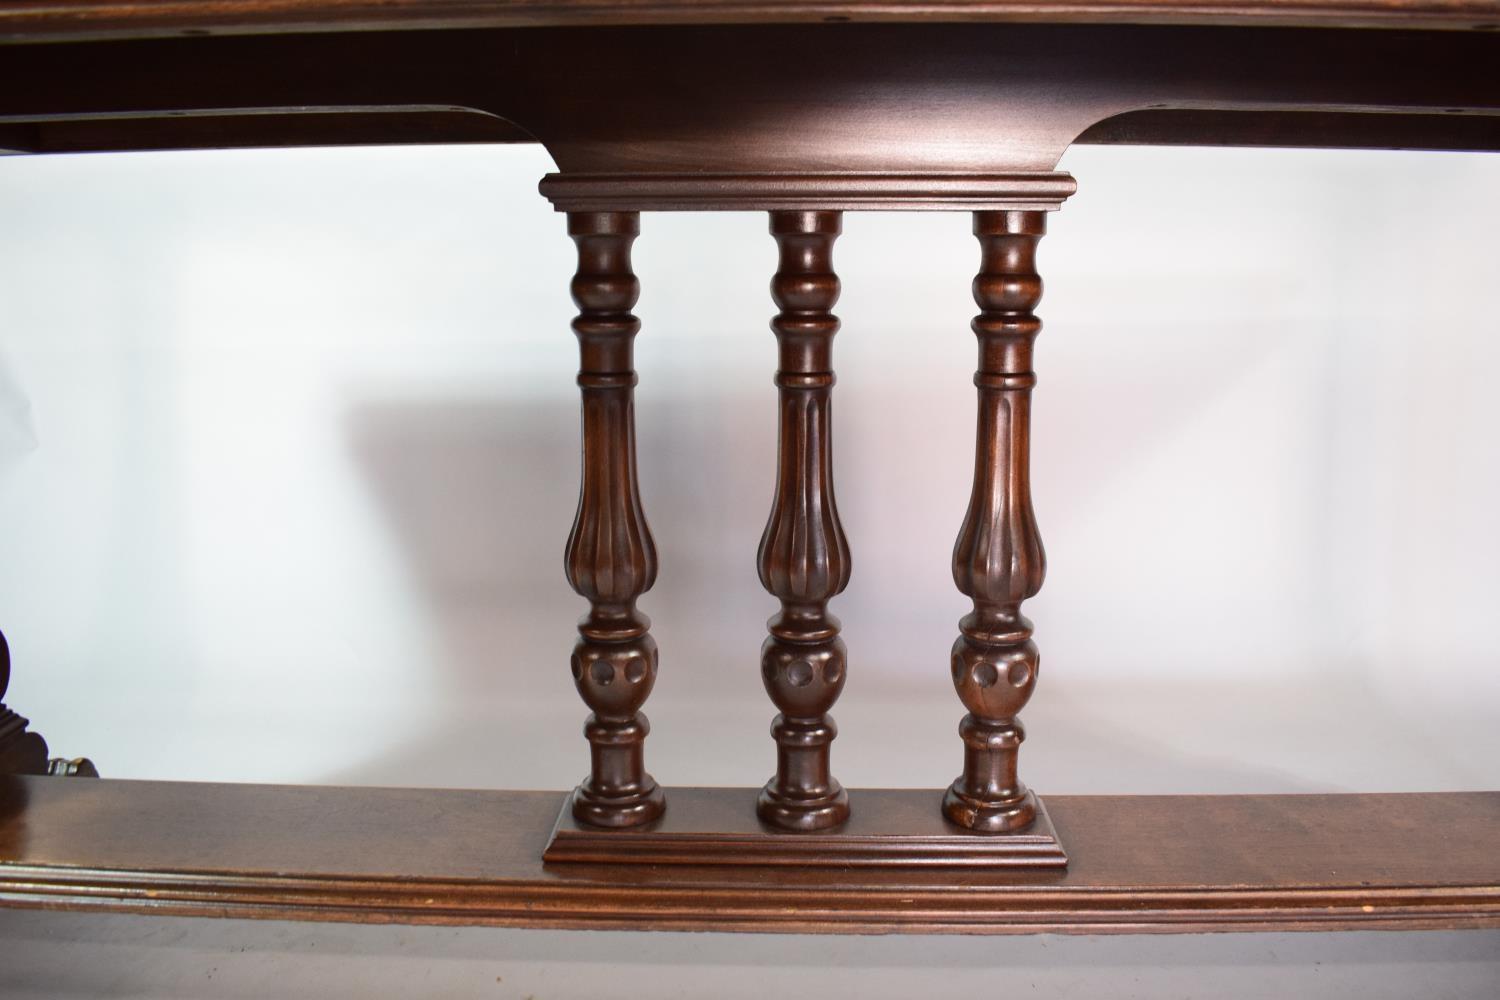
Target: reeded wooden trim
{"points": [[899, 829], [378, 855], [27, 20], [1036, 191]]}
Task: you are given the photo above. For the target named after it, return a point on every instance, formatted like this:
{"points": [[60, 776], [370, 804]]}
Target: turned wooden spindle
{"points": [[803, 558], [998, 559], [610, 557]]}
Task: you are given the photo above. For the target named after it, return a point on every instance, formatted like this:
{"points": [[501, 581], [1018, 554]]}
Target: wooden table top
{"points": [[22, 20]]}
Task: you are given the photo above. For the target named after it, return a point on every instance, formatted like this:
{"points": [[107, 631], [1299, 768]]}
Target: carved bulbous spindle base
{"points": [[618, 791], [619, 813], [803, 796], [995, 667], [614, 668], [802, 664]]}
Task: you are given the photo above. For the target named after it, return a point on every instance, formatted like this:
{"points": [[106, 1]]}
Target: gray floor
{"points": [[90, 955]]}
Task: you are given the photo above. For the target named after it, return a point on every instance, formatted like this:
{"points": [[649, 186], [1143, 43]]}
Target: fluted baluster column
{"points": [[803, 558], [998, 559], [610, 557]]}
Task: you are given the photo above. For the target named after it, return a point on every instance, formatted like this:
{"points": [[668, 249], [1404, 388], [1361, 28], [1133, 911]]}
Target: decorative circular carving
{"points": [[977, 670], [1020, 672], [799, 674], [833, 672], [615, 678]]}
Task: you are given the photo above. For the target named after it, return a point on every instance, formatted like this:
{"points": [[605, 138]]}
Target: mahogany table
{"points": [[804, 111]]}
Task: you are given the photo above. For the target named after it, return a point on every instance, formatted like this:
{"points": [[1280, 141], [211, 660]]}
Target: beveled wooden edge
{"points": [[1038, 191], [698, 830], [255, 128], [431, 856], [49, 20]]}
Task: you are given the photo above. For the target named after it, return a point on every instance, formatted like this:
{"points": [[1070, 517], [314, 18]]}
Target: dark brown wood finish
{"points": [[845, 104], [998, 559], [1140, 863], [804, 558], [611, 558], [904, 829], [54, 19], [23, 751]]}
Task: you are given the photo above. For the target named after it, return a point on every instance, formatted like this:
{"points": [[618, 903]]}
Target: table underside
{"points": [[940, 113], [716, 106]]}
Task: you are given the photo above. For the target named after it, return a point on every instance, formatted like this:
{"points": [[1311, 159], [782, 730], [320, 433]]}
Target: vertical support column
{"points": [[610, 557], [998, 559], [803, 558]]}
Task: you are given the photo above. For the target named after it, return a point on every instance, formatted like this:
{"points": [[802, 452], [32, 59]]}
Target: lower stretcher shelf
{"points": [[1136, 863]]}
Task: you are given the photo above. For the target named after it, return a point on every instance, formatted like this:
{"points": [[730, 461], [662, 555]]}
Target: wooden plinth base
{"points": [[886, 828]]}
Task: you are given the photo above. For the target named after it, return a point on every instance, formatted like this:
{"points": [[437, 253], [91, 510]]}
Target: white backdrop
{"points": [[288, 452]]}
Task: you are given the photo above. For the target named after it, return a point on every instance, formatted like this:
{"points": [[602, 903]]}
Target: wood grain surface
{"points": [[53, 19], [767, 116], [1137, 863]]}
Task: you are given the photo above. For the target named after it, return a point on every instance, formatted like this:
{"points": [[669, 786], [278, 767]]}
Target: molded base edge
{"points": [[663, 192], [886, 828]]}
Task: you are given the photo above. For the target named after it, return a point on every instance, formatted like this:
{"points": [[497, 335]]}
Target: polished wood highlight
{"points": [[886, 829], [1139, 863], [49, 19], [718, 192], [610, 556], [804, 558], [998, 560]]}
